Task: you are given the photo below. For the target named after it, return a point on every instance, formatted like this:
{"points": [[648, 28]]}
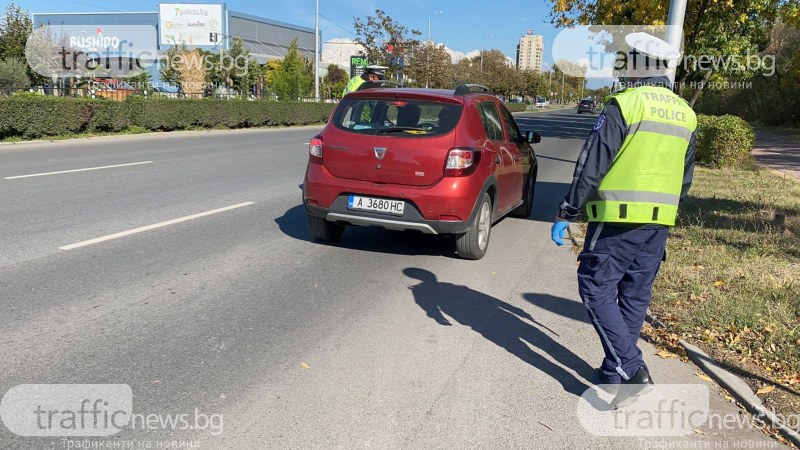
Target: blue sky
{"points": [[460, 27]]}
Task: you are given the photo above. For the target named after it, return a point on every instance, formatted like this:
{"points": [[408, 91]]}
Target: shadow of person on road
{"points": [[503, 324], [570, 309]]}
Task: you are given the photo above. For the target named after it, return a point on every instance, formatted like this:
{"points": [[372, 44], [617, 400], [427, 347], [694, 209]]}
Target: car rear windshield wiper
{"points": [[399, 129]]}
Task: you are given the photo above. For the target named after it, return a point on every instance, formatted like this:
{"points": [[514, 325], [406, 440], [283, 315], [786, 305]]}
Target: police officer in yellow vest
{"points": [[371, 73], [633, 170]]}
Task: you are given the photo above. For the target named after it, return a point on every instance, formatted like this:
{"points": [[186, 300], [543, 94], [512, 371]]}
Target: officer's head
{"points": [[374, 73], [649, 56]]}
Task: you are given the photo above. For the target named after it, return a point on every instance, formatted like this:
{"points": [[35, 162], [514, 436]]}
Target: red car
{"points": [[437, 161]]}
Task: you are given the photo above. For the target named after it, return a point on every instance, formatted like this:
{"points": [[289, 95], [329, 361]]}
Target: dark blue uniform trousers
{"points": [[617, 269]]}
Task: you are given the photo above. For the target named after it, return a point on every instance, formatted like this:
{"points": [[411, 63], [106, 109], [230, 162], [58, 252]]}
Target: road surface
{"points": [[180, 265]]}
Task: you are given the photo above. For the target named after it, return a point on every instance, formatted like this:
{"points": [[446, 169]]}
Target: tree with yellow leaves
{"points": [[719, 30]]}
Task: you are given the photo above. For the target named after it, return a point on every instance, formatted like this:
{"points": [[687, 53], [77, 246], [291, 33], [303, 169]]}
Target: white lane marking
{"points": [[152, 227], [77, 170]]}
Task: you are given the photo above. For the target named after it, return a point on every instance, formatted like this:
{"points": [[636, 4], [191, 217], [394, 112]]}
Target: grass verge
{"points": [[732, 276], [731, 281]]}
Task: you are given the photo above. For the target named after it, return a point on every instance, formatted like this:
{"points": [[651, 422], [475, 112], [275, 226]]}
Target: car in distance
{"points": [[438, 161], [587, 105], [542, 102]]}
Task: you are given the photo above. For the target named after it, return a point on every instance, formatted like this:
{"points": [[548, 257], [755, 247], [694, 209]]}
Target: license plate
{"points": [[380, 205]]}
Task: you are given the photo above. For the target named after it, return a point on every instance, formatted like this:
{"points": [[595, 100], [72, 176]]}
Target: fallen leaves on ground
{"points": [[765, 390], [665, 354], [305, 365]]}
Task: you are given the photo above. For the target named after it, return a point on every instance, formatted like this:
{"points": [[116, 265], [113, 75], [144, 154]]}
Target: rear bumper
{"points": [[326, 196], [410, 220]]}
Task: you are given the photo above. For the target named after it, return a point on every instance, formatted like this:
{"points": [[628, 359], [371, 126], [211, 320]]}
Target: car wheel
{"points": [[323, 230], [473, 243], [524, 210]]}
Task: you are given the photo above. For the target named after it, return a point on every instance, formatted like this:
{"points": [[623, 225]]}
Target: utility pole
{"points": [[562, 88], [428, 49], [316, 53], [482, 46], [675, 19]]}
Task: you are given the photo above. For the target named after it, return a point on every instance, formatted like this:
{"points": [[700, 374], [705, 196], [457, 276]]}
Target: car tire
{"points": [[524, 210], [473, 243], [323, 230]]}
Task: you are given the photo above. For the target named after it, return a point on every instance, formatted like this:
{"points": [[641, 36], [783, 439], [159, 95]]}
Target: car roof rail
{"points": [[466, 89], [378, 84]]}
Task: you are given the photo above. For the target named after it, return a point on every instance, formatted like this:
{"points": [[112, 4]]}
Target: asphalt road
{"points": [[384, 340]]}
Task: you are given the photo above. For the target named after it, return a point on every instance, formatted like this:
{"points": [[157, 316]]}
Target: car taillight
{"points": [[461, 161], [315, 151]]}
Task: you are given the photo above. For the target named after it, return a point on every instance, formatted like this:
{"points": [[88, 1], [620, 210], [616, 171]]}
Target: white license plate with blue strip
{"points": [[380, 205]]}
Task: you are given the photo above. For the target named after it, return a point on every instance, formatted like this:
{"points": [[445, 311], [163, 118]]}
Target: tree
{"points": [[15, 28], [290, 82], [431, 66], [234, 66], [534, 84], [170, 70], [383, 38], [718, 28], [13, 76], [335, 81]]}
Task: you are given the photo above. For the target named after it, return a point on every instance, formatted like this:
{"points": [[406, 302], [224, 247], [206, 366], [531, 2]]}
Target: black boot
{"points": [[630, 390]]}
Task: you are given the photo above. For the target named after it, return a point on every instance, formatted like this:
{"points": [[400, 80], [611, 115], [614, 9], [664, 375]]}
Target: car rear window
{"points": [[401, 117]]}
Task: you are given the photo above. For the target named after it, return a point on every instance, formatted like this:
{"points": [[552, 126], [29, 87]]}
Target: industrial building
{"points": [[208, 26]]}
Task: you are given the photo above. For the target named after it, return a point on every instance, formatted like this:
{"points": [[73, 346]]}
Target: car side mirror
{"points": [[533, 137]]}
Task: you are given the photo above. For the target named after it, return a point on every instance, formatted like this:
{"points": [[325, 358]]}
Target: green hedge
{"points": [[724, 141], [35, 116], [516, 107]]}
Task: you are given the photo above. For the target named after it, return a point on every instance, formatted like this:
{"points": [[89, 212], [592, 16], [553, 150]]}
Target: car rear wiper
{"points": [[399, 129]]}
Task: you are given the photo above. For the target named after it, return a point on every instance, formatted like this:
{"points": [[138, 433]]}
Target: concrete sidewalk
{"points": [[778, 152]]}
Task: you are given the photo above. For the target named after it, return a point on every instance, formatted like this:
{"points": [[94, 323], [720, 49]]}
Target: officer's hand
{"points": [[558, 231]]}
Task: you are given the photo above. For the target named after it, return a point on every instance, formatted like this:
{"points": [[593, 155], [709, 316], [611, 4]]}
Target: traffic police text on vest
{"points": [[644, 182]]}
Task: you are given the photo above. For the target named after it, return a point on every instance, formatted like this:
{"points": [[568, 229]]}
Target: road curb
{"points": [[737, 387], [573, 232], [154, 134], [739, 390]]}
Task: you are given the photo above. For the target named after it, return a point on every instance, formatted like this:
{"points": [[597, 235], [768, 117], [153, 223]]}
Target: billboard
{"points": [[357, 64], [190, 23], [91, 50]]}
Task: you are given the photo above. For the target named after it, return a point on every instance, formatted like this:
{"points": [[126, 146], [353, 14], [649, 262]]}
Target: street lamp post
{"points": [[428, 50], [316, 53], [429, 21], [482, 46]]}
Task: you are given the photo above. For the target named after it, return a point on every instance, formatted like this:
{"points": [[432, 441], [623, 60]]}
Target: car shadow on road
{"points": [[505, 325], [370, 239]]}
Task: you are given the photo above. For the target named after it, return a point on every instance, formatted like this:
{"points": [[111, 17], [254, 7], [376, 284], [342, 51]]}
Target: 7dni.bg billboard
{"points": [[190, 24]]}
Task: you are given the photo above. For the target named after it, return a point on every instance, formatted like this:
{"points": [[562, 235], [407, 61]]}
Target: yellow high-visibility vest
{"points": [[644, 183]]}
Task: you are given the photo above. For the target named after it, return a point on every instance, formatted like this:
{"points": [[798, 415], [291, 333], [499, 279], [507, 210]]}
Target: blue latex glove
{"points": [[558, 231]]}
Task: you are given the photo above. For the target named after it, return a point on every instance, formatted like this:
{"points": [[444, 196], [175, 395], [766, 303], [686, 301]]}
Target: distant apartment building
{"points": [[529, 52]]}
